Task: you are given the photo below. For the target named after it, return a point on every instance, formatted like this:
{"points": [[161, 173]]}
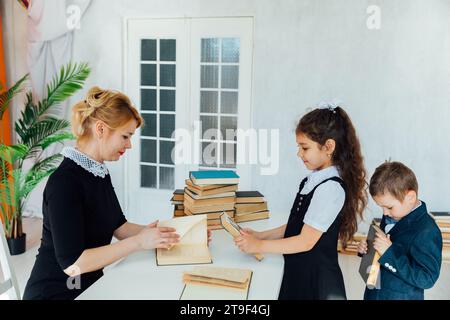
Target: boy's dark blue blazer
{"points": [[413, 262]]}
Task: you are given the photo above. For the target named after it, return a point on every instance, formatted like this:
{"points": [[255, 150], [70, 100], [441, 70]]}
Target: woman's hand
{"points": [[382, 242], [157, 237], [362, 247], [247, 242]]}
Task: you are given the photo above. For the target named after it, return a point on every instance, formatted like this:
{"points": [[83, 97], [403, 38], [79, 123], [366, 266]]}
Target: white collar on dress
{"points": [[318, 176], [96, 168]]}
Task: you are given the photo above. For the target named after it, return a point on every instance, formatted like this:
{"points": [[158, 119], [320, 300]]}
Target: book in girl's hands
{"points": [[369, 268], [235, 230], [211, 177]]}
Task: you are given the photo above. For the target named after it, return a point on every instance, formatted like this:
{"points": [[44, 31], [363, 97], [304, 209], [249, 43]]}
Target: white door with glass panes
{"points": [[183, 72]]}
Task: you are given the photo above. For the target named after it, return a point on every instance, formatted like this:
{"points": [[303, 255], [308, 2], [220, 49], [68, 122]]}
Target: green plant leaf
{"points": [[13, 153], [71, 78], [58, 137], [7, 96]]}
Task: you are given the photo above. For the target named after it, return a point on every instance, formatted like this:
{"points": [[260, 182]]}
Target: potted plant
{"points": [[37, 129]]}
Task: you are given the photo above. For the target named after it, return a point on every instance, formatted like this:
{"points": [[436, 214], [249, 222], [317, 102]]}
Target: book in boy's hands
{"points": [[209, 177], [235, 230], [216, 283], [193, 245], [369, 268]]}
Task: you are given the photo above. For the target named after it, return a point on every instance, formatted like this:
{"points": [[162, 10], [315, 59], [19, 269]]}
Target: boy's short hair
{"points": [[394, 178]]}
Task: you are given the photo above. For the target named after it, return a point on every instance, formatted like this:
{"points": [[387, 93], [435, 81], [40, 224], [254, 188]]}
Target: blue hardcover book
{"points": [[214, 177]]}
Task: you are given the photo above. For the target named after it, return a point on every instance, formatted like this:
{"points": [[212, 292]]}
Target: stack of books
{"points": [[250, 206], [352, 246], [178, 203], [443, 221], [211, 192]]}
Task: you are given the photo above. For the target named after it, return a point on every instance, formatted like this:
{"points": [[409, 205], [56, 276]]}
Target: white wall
{"points": [[394, 82]]}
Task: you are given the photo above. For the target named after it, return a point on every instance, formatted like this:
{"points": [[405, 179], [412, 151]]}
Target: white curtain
{"points": [[51, 24]]}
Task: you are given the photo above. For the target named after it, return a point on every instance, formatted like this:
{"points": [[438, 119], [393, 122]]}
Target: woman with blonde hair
{"points": [[80, 208]]}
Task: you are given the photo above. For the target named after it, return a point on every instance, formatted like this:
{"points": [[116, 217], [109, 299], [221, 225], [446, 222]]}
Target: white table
{"points": [[138, 276]]}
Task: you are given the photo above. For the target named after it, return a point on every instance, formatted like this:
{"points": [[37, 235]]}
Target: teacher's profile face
{"points": [[117, 141]]}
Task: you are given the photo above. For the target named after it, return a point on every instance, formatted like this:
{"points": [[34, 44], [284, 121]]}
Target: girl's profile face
{"points": [[313, 155], [116, 142]]}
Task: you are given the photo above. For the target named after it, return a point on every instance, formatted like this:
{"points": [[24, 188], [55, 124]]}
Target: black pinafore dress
{"points": [[315, 274]]}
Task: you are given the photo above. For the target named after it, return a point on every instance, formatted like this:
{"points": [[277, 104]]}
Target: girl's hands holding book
{"points": [[248, 242], [362, 247], [252, 232]]}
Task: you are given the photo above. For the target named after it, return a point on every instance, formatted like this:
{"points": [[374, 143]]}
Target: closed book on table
{"points": [[251, 216], [188, 200], [249, 197], [369, 268], [195, 196], [206, 177], [208, 209], [242, 208], [216, 283], [193, 245], [440, 215], [211, 215], [235, 230], [207, 190]]}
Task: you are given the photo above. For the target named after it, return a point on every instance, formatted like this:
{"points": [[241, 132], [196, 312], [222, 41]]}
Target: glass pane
{"points": [[166, 178], [228, 126], [208, 101], [167, 125], [167, 100], [230, 77], [228, 155], [148, 176], [209, 154], [167, 75], [167, 51], [148, 99], [148, 50], [148, 74], [148, 150], [165, 152], [228, 102], [210, 50], [209, 127], [230, 50], [209, 77], [149, 128]]}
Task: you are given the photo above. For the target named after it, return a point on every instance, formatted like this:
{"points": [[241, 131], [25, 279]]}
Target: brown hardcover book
{"points": [[441, 215], [211, 215], [208, 209], [217, 190], [178, 213], [195, 196], [193, 246], [207, 202], [216, 283], [178, 195], [204, 187], [235, 230], [242, 208], [252, 216], [369, 268]]}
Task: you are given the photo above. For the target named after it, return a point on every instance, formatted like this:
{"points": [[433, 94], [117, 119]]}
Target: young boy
{"points": [[411, 248]]}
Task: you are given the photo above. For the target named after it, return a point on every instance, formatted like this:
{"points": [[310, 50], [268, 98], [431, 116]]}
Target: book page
{"points": [[192, 229], [185, 254]]}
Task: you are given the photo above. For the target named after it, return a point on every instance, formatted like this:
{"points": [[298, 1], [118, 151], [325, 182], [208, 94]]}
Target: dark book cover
{"points": [[369, 267], [248, 194]]}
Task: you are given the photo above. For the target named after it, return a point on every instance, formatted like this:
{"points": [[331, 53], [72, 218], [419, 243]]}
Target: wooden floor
{"points": [[349, 264]]}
